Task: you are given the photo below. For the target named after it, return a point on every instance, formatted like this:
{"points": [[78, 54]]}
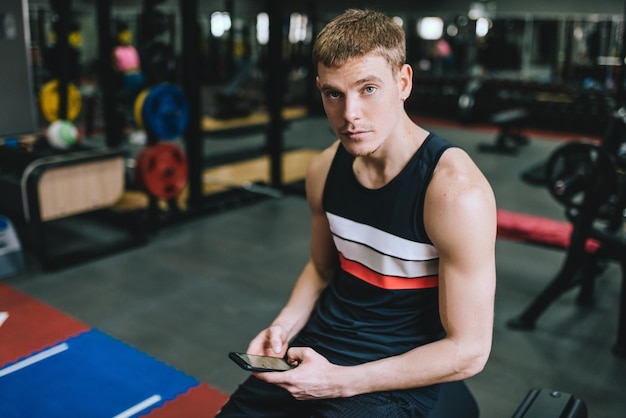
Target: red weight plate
{"points": [[161, 170]]}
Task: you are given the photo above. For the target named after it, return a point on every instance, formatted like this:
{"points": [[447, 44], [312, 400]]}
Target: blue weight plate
{"points": [[165, 111]]}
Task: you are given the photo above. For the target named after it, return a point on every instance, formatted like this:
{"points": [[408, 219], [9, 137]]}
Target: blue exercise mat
{"points": [[90, 376]]}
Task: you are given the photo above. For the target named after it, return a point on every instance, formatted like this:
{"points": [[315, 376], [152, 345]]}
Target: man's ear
{"points": [[405, 80]]}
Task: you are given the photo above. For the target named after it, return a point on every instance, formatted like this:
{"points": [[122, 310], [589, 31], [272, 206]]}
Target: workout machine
{"points": [[540, 105], [588, 180]]}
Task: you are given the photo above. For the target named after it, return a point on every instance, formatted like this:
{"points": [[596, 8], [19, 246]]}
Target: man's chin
{"points": [[359, 149]]}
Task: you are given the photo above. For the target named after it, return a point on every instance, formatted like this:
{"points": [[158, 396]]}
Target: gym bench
{"points": [[42, 187], [509, 137], [538, 230]]}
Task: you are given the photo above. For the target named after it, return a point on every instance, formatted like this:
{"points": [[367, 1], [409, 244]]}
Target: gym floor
{"points": [[201, 288]]}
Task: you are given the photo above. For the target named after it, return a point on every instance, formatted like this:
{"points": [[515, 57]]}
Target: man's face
{"points": [[362, 100]]}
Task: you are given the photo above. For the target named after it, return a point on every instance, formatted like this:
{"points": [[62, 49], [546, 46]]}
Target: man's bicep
{"points": [[463, 227]]}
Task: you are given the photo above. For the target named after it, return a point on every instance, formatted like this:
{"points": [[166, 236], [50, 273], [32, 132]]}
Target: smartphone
{"points": [[254, 363]]}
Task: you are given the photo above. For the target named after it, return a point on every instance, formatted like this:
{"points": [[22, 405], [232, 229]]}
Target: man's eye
{"points": [[370, 89], [333, 94]]}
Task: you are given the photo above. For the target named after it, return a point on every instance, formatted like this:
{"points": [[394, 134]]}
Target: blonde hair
{"points": [[358, 32]]}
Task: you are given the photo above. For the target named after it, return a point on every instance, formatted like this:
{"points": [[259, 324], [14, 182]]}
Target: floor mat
{"points": [[52, 365]]}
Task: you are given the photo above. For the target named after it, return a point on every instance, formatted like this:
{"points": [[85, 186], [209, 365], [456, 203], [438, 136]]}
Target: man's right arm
{"points": [[316, 274]]}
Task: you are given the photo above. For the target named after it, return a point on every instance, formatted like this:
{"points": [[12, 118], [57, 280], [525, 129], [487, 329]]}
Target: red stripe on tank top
{"points": [[387, 282]]}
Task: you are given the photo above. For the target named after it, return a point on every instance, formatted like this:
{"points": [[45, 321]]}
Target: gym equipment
{"points": [[612, 141], [467, 100], [510, 138], [161, 170], [49, 101], [42, 188], [62, 134], [158, 62], [11, 257], [538, 230], [25, 141], [579, 169], [162, 110], [586, 179], [547, 403], [245, 185], [230, 102], [476, 99], [10, 142], [138, 108]]}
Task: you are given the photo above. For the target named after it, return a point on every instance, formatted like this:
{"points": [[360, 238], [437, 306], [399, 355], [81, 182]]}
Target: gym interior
{"points": [[153, 214]]}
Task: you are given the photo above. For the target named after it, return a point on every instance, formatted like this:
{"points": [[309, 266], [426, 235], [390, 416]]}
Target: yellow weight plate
{"points": [[141, 97], [49, 101]]}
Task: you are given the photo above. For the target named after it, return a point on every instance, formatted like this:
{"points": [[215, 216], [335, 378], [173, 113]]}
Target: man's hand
{"points": [[272, 341], [313, 378]]}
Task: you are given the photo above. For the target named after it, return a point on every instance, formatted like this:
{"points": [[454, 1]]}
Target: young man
{"points": [[398, 294]]}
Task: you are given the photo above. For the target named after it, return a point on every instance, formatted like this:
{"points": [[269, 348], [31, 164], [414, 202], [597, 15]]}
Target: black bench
{"points": [[510, 137]]}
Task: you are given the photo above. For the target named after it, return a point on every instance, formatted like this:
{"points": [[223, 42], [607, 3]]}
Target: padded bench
{"points": [[538, 230], [41, 188], [509, 137]]}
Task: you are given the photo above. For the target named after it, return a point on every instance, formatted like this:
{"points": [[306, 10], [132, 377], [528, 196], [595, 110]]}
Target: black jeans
{"points": [[258, 399]]}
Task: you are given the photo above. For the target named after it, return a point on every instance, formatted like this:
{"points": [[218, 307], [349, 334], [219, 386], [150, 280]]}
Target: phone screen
{"points": [[260, 363]]}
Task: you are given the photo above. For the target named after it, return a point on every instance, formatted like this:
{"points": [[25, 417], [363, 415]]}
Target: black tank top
{"points": [[383, 301]]}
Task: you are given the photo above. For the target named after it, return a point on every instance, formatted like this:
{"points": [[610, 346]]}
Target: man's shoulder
{"points": [[321, 162], [458, 176], [318, 171]]}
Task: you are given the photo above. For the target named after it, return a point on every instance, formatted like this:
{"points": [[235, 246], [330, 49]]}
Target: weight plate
{"points": [[49, 101], [161, 170], [141, 97], [165, 111], [579, 171]]}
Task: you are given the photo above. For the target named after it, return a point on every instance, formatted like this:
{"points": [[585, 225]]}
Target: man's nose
{"points": [[352, 108]]}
